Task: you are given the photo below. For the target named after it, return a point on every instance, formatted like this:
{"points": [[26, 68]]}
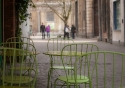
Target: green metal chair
{"points": [[23, 46], [100, 69], [13, 78], [84, 47], [20, 40], [56, 44]]}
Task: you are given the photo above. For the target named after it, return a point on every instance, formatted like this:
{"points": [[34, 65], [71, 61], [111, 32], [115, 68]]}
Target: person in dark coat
{"points": [[73, 31], [42, 29], [64, 31]]}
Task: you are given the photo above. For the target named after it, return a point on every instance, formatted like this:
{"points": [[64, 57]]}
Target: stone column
{"points": [[38, 17]]}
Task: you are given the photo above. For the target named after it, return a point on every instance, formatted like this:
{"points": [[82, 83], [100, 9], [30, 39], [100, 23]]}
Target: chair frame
{"points": [[17, 78], [56, 45], [96, 65], [87, 48]]}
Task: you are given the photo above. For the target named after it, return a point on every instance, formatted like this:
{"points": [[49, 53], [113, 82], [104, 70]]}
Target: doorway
{"points": [[96, 28], [76, 16]]}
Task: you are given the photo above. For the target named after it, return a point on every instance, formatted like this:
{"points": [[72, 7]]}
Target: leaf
{"points": [[21, 8]]}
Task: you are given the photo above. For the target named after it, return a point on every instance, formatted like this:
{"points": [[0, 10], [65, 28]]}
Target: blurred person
{"points": [[73, 31], [66, 31], [42, 29], [48, 31]]}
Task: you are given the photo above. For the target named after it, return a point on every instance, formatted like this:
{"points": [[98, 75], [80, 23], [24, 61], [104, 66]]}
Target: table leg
{"points": [[50, 73]]}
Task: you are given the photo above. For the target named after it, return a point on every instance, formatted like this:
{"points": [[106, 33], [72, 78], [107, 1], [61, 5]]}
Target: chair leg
{"points": [[48, 81], [49, 78], [85, 85], [55, 83], [90, 84], [76, 86], [68, 85], [63, 85]]}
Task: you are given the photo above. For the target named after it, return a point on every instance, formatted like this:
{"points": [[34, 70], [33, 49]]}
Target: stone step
{"points": [[51, 33]]}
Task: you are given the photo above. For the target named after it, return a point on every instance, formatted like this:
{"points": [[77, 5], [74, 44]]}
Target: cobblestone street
{"points": [[43, 60]]}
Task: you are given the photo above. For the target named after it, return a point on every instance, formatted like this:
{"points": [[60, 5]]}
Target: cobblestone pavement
{"points": [[43, 60]]}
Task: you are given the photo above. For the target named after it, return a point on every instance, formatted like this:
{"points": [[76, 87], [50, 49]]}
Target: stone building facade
{"points": [[117, 17], [81, 16], [40, 15], [87, 18], [92, 18]]}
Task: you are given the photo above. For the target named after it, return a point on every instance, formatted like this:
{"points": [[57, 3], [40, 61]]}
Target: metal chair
{"points": [[23, 40], [58, 66], [56, 44], [99, 69], [12, 77], [23, 46], [20, 40]]}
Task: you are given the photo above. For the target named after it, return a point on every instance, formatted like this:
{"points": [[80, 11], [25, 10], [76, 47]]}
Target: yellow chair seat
{"points": [[18, 79], [23, 68], [62, 67], [80, 79]]}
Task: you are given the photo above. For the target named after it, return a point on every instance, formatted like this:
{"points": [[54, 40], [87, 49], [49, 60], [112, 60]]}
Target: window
{"points": [[117, 20], [50, 16]]}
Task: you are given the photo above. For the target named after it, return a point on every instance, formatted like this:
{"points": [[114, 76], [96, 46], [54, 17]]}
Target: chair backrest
{"points": [[20, 45], [18, 76], [108, 69], [76, 57], [79, 47], [20, 39], [56, 44]]}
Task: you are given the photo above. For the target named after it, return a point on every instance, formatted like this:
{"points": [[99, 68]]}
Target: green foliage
{"points": [[22, 13]]}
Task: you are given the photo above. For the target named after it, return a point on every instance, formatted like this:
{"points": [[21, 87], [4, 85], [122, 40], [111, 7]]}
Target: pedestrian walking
{"points": [[48, 31], [30, 33], [42, 29], [73, 31], [66, 31]]}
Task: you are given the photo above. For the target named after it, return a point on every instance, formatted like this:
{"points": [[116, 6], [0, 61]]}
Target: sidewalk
{"points": [[77, 39]]}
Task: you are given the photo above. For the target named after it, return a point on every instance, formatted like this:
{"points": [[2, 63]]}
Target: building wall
{"points": [[58, 23], [85, 18], [34, 22], [9, 19], [26, 27], [117, 35], [89, 17], [81, 25]]}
